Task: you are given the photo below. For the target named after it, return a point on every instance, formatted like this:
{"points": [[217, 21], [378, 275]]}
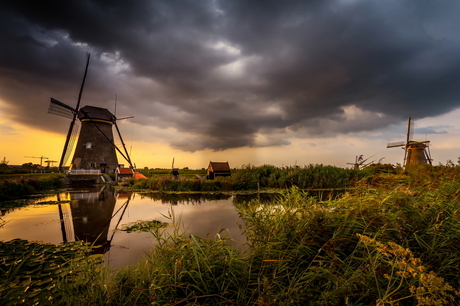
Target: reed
{"points": [[310, 176], [392, 240], [166, 184], [250, 177]]}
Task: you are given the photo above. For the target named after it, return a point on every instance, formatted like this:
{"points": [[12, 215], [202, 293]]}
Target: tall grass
{"points": [[393, 241], [166, 184], [250, 177]]}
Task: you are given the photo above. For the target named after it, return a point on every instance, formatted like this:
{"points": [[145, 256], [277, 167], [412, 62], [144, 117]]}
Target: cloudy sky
{"points": [[260, 82]]}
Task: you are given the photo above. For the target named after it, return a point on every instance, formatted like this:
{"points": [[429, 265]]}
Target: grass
{"points": [[264, 177], [393, 240]]}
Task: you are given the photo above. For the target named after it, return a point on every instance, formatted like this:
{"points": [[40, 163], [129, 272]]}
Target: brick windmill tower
{"points": [[415, 152], [95, 149]]}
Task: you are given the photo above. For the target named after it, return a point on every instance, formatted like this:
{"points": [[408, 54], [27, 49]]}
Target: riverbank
{"points": [[391, 241], [20, 186], [248, 178]]}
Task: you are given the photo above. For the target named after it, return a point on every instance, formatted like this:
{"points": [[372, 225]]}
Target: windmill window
{"points": [[88, 145], [92, 165]]}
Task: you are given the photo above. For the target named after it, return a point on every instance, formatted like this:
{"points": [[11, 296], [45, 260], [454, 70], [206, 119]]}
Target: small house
{"points": [[123, 173], [216, 169]]}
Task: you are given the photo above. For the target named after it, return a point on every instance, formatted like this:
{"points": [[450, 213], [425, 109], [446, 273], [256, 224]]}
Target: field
{"points": [[392, 239]]}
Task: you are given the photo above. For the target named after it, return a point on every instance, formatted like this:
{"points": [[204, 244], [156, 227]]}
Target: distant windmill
{"points": [[174, 171], [360, 162], [415, 152], [95, 147]]}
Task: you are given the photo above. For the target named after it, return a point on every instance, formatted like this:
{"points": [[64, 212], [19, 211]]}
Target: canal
{"points": [[97, 215]]}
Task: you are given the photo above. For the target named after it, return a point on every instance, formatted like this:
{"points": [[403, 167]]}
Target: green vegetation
{"points": [[255, 178], [27, 168], [19, 187], [33, 273], [392, 240], [185, 173], [143, 226]]}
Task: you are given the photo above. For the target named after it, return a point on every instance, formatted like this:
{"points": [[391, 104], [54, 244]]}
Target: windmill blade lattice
{"points": [[72, 142], [61, 109], [411, 129]]}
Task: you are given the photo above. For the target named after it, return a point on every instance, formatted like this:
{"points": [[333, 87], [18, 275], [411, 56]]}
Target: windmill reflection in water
{"points": [[87, 217]]}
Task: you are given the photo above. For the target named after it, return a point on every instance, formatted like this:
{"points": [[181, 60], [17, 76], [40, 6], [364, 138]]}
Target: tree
{"points": [[30, 166], [4, 163]]}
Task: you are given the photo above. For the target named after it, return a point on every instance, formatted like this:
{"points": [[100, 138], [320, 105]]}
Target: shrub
{"points": [[23, 186]]}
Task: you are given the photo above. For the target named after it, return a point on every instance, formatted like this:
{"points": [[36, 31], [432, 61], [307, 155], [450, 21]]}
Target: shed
{"points": [[123, 173], [216, 169]]}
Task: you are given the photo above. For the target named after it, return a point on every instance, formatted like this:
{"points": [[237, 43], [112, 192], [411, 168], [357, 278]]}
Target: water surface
{"points": [[96, 216]]}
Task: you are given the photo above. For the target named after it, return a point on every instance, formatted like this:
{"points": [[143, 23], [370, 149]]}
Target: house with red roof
{"points": [[123, 173]]}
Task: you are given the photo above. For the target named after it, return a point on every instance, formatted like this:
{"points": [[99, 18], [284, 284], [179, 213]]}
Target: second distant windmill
{"points": [[415, 152]]}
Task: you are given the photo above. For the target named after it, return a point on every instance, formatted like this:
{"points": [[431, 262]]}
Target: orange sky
{"points": [[20, 141]]}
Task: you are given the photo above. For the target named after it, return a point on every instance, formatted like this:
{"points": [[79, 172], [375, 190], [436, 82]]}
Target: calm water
{"points": [[96, 215]]}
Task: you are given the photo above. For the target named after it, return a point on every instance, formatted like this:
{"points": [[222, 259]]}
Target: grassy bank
{"points": [[261, 177], [21, 186], [393, 240]]}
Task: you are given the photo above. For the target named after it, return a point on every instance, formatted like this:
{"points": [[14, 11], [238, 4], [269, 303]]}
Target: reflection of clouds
{"points": [[204, 220], [34, 223], [210, 220]]}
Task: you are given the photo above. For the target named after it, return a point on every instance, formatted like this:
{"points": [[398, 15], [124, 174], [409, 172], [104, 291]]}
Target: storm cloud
{"points": [[228, 74]]}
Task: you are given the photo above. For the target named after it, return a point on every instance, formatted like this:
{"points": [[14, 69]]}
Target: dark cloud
{"points": [[432, 129], [229, 73]]}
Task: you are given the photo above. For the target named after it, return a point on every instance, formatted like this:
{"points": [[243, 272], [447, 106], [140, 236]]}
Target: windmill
{"points": [[95, 148], [360, 162], [415, 152], [174, 171]]}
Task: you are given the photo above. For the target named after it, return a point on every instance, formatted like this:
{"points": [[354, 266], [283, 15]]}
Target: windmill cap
{"points": [[94, 112]]}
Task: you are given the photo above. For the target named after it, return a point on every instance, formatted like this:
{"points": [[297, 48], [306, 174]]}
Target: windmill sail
{"points": [[396, 144], [69, 133], [72, 142], [410, 131], [61, 109], [126, 157]]}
